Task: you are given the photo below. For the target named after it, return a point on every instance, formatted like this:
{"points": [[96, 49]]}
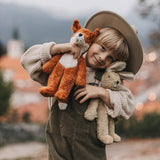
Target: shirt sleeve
{"points": [[33, 59], [122, 101]]}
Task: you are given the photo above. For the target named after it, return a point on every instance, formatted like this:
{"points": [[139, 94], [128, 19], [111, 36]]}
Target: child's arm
{"points": [[66, 48], [118, 103], [34, 58], [122, 101], [90, 91]]}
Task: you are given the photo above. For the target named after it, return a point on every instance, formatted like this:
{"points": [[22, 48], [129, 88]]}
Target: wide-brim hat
{"points": [[104, 19]]}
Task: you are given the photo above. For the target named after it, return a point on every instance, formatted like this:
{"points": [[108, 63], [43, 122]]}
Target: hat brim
{"points": [[110, 19]]}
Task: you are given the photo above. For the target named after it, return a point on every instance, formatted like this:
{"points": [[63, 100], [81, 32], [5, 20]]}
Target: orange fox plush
{"points": [[64, 70]]}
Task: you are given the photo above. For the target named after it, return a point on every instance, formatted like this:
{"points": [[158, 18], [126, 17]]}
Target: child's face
{"points": [[99, 57]]}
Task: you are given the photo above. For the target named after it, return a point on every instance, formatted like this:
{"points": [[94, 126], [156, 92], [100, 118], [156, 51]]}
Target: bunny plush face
{"points": [[114, 74], [111, 80]]}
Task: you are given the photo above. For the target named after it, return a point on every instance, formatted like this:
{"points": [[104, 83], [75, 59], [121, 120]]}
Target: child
{"points": [[69, 135]]}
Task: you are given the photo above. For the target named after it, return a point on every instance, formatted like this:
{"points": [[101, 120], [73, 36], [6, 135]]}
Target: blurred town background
{"points": [[24, 112]]}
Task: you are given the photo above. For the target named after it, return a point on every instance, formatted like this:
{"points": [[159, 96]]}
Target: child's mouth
{"points": [[97, 62]]}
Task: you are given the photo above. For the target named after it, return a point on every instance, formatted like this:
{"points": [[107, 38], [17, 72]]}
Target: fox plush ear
{"points": [[76, 26], [95, 34]]}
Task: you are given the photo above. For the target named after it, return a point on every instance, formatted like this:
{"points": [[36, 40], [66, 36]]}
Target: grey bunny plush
{"points": [[111, 79]]}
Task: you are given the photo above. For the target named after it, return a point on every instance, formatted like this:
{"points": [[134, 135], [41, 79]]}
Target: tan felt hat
{"points": [[110, 19]]}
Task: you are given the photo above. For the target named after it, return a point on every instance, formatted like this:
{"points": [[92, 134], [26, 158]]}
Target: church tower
{"points": [[15, 46]]}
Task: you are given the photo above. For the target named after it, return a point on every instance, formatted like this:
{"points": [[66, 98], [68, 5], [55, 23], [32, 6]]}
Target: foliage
{"points": [[151, 9], [2, 49], [6, 90], [26, 117], [12, 116], [147, 127]]}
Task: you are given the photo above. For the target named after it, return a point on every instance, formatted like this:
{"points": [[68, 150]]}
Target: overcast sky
{"points": [[71, 8]]}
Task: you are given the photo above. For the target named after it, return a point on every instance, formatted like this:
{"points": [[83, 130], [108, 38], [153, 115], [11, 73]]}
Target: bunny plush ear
{"points": [[76, 26], [128, 76], [116, 66]]}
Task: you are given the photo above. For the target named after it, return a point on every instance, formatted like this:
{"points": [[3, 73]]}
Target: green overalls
{"points": [[70, 136]]}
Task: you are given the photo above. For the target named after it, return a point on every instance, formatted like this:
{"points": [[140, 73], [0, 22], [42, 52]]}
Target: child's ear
{"points": [[76, 26], [95, 34]]}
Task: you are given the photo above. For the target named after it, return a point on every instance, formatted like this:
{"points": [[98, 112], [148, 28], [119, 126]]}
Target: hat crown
{"points": [[104, 19]]}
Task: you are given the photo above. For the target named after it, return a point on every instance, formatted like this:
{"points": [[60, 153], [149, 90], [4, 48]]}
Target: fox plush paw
{"points": [[62, 106], [47, 91], [61, 95]]}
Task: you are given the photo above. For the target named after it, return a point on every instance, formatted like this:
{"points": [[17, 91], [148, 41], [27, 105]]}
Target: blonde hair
{"points": [[115, 42]]}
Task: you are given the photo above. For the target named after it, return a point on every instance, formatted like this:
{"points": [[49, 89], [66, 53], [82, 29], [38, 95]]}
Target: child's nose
{"points": [[102, 57]]}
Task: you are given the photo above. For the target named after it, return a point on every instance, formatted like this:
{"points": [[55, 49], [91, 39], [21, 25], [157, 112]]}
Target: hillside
{"points": [[37, 26], [34, 25]]}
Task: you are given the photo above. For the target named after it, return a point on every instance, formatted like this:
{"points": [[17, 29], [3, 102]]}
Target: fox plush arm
{"points": [[49, 65], [81, 75]]}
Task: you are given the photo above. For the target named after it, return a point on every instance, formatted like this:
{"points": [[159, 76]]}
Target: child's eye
{"points": [[110, 58], [103, 48]]}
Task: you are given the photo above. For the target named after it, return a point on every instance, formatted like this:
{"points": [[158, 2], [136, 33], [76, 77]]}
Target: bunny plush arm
{"points": [[91, 112]]}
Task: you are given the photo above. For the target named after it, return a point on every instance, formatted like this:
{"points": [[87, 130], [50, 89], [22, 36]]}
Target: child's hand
{"points": [[90, 91], [65, 48], [87, 92]]}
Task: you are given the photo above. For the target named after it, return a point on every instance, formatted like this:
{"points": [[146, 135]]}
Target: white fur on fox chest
{"points": [[68, 61]]}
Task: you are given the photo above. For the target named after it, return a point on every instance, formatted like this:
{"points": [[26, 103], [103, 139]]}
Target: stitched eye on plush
{"points": [[80, 34]]}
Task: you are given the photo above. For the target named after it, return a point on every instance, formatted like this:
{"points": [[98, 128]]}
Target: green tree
{"points": [[6, 90], [144, 128], [26, 117], [151, 9], [2, 50]]}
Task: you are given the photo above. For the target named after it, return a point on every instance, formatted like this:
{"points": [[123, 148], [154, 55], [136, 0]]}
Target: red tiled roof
{"points": [[38, 112], [14, 64]]}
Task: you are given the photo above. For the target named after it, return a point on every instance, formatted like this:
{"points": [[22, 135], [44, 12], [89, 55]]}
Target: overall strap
{"points": [[98, 74]]}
